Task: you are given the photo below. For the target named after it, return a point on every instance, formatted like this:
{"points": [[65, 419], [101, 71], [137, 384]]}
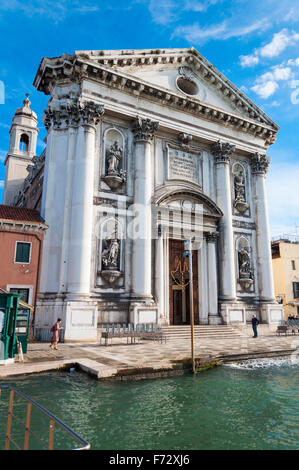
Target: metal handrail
{"points": [[53, 420]]}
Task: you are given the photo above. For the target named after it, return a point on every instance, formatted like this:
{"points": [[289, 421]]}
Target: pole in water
{"points": [[191, 305]]}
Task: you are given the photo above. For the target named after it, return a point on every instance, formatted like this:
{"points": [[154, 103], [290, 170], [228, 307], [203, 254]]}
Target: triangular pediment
{"points": [[169, 68]]}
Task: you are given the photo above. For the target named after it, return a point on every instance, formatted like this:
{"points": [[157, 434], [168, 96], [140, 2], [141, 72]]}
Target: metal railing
{"points": [[84, 445]]}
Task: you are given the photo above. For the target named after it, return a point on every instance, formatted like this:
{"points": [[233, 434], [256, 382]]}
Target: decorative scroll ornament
{"points": [[144, 129], [187, 74], [222, 151], [74, 114], [245, 272], [260, 163], [184, 139]]}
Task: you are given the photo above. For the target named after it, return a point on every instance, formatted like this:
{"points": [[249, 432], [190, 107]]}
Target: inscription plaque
{"points": [[183, 165]]}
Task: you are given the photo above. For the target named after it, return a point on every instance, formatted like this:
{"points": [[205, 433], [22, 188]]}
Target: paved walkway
{"points": [[146, 359]]}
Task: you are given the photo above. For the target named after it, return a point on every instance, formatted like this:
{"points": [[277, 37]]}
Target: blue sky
{"points": [[255, 43]]}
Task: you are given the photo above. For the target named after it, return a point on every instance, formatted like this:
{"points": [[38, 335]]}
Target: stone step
{"points": [[182, 332]]}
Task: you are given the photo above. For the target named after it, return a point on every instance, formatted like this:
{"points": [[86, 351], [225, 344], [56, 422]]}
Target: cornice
{"points": [[8, 224], [102, 69]]}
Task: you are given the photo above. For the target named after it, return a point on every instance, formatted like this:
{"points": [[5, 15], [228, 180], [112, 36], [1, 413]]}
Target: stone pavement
{"points": [[146, 359]]}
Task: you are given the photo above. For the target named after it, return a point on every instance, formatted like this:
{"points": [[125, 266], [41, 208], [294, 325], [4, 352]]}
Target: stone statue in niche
{"points": [[245, 272], [110, 261], [239, 188], [114, 177], [113, 159], [110, 254]]}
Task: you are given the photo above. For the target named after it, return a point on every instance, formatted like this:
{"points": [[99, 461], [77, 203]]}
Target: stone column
{"points": [[80, 248], [222, 153], [142, 243], [212, 278], [260, 165], [159, 264]]}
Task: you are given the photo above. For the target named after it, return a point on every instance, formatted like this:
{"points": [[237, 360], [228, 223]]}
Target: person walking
{"points": [[55, 334], [254, 322]]}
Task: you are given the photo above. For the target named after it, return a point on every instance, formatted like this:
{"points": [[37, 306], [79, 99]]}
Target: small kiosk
{"points": [[14, 326]]}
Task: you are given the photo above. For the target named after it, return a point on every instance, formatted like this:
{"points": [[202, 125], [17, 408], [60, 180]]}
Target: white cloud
{"points": [[277, 45], [167, 11], [1, 184], [191, 5], [3, 154], [266, 85], [163, 12], [198, 35], [249, 60], [56, 10], [294, 62], [195, 34], [265, 89]]}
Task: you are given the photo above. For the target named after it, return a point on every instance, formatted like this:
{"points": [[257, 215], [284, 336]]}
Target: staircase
{"points": [[182, 332]]}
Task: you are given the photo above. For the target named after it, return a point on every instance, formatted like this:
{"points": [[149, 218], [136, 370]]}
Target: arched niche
{"points": [[244, 263], [110, 255], [240, 188], [114, 162]]}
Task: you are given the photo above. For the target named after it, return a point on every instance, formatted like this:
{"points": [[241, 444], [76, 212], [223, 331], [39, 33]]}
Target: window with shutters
{"points": [[296, 290], [23, 252]]}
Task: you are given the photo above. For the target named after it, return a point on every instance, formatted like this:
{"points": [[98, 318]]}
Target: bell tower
{"points": [[22, 148]]}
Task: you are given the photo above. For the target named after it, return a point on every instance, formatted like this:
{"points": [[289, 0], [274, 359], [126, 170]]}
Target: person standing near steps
{"points": [[254, 322]]}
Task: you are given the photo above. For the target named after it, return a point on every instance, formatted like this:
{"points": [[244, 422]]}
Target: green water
{"points": [[230, 407]]}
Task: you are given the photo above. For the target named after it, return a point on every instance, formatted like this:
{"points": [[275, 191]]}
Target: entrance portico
{"points": [[182, 215]]}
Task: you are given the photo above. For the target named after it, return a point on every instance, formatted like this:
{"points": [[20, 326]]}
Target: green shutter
{"points": [[23, 252]]}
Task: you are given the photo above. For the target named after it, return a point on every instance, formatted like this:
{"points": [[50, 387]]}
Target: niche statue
{"points": [[239, 185], [245, 272], [114, 177], [110, 254]]}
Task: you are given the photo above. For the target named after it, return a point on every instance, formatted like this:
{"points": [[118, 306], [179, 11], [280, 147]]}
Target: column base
{"points": [[79, 318], [215, 319], [143, 312], [239, 312], [271, 313]]}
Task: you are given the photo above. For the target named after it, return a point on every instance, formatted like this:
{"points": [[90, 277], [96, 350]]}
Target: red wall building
{"points": [[21, 238]]}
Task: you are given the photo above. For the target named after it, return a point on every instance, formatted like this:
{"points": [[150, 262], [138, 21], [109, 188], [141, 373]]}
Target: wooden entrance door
{"points": [[179, 307]]}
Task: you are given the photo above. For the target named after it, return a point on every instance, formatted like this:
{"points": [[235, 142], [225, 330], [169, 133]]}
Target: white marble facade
{"points": [[134, 137]]}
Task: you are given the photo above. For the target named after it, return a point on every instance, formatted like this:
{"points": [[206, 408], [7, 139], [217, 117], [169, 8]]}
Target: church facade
{"points": [[147, 149]]}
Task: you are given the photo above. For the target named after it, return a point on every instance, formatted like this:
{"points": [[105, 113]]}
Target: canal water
{"points": [[253, 405]]}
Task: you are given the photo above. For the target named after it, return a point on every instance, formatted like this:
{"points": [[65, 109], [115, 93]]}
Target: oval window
{"points": [[187, 86]]}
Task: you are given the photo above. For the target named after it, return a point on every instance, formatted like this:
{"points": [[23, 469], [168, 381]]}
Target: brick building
{"points": [[21, 238]]}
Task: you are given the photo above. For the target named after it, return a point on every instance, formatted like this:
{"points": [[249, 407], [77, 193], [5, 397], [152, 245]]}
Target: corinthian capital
{"points": [[62, 116], [144, 129], [222, 151], [260, 163]]}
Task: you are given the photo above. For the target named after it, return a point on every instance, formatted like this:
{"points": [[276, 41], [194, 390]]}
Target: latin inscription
{"points": [[183, 165]]}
